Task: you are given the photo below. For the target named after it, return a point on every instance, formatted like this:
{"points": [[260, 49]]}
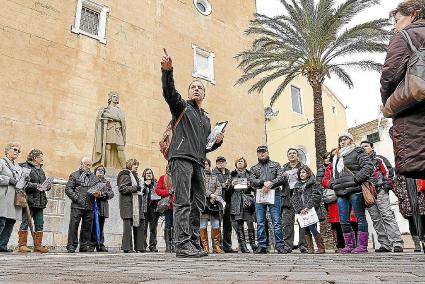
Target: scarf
{"points": [[338, 164], [85, 178], [135, 196]]}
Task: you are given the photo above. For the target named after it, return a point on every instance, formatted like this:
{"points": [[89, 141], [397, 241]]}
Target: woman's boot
{"points": [[362, 241], [37, 243], [251, 236], [349, 243], [203, 233], [417, 243], [320, 244], [309, 242], [241, 239], [23, 237], [216, 240]]}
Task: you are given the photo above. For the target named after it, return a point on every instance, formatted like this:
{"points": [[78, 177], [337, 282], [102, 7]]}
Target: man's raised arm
{"points": [[171, 96]]}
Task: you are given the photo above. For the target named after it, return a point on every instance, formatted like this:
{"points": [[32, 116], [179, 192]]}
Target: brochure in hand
{"points": [[219, 127]]}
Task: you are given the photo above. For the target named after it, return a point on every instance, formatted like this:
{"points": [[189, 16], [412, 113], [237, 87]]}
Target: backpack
{"points": [[164, 144], [411, 90]]}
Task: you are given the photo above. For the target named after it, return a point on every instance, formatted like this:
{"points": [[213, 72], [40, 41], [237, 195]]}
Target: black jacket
{"points": [[309, 195], [36, 199], [286, 189], [269, 171], [190, 137], [361, 167], [77, 192], [126, 190]]}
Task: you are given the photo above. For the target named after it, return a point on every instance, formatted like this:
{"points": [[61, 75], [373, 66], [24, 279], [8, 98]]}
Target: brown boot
{"points": [[37, 243], [320, 244], [216, 235], [309, 242], [23, 237], [204, 239]]}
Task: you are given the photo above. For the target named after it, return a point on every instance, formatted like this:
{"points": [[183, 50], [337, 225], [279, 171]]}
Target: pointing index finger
{"points": [[165, 52]]}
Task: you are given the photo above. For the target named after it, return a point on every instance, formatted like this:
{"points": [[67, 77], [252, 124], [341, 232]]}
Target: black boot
{"points": [[241, 239], [251, 236], [167, 237]]}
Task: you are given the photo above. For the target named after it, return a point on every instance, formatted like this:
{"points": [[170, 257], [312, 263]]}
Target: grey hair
{"points": [[85, 159], [10, 146]]}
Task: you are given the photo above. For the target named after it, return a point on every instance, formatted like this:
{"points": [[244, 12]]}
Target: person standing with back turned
{"points": [[186, 157]]}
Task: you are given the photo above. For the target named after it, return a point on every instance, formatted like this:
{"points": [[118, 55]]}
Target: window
{"points": [[374, 137], [297, 104], [334, 110], [90, 20], [303, 154], [203, 64], [203, 6]]}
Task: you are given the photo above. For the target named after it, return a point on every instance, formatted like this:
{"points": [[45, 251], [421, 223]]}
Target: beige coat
{"points": [[7, 193]]}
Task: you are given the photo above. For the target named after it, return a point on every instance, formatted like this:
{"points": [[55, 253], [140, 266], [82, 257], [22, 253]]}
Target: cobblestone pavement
{"points": [[229, 268]]}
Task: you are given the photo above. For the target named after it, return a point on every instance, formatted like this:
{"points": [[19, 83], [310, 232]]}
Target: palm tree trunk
{"points": [[320, 145]]}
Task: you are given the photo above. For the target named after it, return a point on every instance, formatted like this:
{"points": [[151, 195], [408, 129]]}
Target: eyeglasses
{"points": [[16, 150]]}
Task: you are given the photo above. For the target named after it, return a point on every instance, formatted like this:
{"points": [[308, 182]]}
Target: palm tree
{"points": [[311, 40]]}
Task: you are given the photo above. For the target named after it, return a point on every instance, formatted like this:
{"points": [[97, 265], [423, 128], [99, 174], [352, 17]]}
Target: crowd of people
{"points": [[334, 192], [190, 194]]}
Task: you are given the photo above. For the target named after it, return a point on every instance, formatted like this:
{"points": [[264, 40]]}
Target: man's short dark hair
{"points": [[367, 142], [188, 88], [293, 149]]}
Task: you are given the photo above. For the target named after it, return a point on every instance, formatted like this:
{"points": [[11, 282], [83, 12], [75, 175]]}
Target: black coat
{"points": [[77, 192], [309, 195], [190, 136], [361, 167], [36, 199], [237, 196], [286, 190], [126, 190], [269, 171]]}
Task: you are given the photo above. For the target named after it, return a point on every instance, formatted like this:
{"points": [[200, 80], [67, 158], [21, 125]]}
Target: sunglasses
{"points": [[16, 150]]}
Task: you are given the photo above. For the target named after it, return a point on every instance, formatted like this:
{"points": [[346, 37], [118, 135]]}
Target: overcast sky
{"points": [[364, 99]]}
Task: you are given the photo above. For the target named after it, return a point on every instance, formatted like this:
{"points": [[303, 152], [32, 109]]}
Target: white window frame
{"points": [[211, 56], [301, 101], [103, 11], [207, 5]]}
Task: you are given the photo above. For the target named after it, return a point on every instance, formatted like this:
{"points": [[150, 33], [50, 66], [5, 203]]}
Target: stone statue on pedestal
{"points": [[110, 135]]}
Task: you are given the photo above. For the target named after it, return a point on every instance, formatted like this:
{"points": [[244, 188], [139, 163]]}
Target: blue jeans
{"points": [[6, 227], [168, 214], [260, 211], [355, 201], [311, 230]]}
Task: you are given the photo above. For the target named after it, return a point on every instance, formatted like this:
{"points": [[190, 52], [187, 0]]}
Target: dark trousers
{"points": [[151, 221], [227, 228], [130, 232], [189, 199], [93, 232], [86, 218], [168, 215], [288, 222], [6, 227], [340, 243]]}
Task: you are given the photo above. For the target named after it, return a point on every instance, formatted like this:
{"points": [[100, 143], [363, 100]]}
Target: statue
{"points": [[110, 135]]}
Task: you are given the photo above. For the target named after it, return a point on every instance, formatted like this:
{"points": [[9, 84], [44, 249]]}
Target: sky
{"points": [[363, 100]]}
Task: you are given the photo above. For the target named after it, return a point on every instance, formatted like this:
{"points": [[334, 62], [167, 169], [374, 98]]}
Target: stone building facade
{"points": [[59, 60]]}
